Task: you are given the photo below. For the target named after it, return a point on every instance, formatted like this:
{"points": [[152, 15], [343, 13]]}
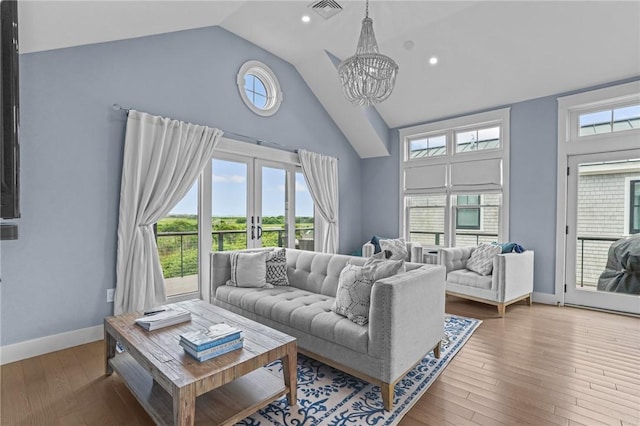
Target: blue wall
{"points": [[532, 213], [55, 276]]}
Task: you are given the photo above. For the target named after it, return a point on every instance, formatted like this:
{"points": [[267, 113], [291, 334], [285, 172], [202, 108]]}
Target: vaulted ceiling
{"points": [[490, 53]]}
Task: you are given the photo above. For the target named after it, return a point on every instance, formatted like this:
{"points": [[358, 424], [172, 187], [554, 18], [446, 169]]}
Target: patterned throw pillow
{"points": [[397, 247], [277, 268], [249, 269], [481, 260], [353, 296]]}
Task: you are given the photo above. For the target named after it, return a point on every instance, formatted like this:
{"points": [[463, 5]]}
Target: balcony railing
{"points": [[462, 238], [592, 260], [179, 250]]}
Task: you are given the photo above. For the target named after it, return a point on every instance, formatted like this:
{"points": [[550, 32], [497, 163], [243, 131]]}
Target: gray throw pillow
{"points": [[277, 268], [384, 268], [249, 269], [353, 296], [397, 247], [481, 259]]}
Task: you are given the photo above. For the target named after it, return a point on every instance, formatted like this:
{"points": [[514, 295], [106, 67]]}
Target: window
{"points": [[479, 224], [455, 177], [634, 207], [428, 146], [478, 139], [426, 218], [609, 120], [259, 88], [468, 218]]}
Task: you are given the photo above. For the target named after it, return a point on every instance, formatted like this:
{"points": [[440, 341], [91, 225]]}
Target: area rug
{"points": [[327, 396]]}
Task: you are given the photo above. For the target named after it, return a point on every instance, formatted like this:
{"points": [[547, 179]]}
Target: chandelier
{"points": [[367, 77]]}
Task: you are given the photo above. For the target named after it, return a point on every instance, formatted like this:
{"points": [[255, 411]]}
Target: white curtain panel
{"points": [[321, 173], [162, 160]]}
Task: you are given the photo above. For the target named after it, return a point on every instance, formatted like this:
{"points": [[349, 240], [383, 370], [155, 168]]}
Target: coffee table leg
{"points": [[290, 372], [109, 352], [184, 405]]}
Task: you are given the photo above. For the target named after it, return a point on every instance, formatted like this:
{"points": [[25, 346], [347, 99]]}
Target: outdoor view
{"points": [[608, 211], [177, 233]]}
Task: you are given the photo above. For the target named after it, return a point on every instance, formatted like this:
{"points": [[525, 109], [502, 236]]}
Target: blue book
{"points": [[206, 336], [215, 352], [211, 344]]}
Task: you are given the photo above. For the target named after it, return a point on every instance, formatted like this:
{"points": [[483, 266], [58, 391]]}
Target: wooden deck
{"points": [[540, 365]]}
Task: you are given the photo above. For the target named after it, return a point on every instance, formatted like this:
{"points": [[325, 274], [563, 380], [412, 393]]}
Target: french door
{"points": [[603, 206], [254, 203]]}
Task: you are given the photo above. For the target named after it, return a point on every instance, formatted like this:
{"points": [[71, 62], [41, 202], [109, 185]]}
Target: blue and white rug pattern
{"points": [[327, 396]]}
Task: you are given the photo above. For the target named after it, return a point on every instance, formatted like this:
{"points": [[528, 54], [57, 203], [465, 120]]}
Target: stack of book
{"points": [[163, 317], [212, 342]]}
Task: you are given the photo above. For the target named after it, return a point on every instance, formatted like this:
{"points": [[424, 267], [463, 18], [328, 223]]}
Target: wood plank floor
{"points": [[540, 365]]}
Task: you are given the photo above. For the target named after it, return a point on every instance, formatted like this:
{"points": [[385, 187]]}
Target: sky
{"points": [[229, 197]]}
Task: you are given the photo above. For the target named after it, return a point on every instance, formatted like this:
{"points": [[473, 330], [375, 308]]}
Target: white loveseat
{"points": [[406, 317], [510, 281]]}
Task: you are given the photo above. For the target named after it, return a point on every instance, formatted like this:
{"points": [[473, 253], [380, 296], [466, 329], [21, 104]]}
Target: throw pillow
{"points": [[249, 269], [277, 268], [397, 247], [375, 240], [382, 255], [353, 296], [384, 268], [481, 260]]}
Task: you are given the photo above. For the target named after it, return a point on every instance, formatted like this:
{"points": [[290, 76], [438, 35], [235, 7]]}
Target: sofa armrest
{"points": [[368, 249], [455, 258], [516, 269], [414, 250], [406, 318]]}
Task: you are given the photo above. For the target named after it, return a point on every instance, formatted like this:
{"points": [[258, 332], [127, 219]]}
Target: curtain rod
{"points": [[250, 139]]}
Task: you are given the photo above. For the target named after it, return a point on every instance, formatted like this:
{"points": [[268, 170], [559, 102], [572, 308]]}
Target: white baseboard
{"points": [[43, 345], [545, 298]]}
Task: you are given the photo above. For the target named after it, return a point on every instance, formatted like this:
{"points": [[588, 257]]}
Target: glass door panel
{"points": [[272, 208], [229, 205], [601, 211], [177, 241], [304, 218]]}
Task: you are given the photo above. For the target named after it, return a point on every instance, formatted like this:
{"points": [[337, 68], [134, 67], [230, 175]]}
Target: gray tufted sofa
{"points": [[406, 317]]}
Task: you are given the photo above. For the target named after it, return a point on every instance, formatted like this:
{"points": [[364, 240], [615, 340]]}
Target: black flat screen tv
{"points": [[9, 118]]}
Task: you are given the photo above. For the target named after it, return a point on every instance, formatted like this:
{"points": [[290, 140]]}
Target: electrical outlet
{"points": [[110, 294]]}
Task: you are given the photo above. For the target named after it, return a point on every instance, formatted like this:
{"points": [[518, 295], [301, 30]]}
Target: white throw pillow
{"points": [[249, 270], [277, 268], [397, 247], [481, 260], [353, 296], [384, 268]]}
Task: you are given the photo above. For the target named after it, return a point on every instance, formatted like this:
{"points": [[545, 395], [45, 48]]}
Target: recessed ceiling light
{"points": [[306, 18], [433, 60]]}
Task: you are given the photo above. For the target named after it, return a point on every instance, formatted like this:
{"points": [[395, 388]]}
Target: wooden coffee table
{"points": [[176, 389]]}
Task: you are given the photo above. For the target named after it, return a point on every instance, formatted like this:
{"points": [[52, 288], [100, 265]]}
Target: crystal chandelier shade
{"points": [[367, 77]]}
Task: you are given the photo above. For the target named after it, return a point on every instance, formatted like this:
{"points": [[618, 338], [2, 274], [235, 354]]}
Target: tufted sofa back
{"points": [[306, 270], [456, 258]]}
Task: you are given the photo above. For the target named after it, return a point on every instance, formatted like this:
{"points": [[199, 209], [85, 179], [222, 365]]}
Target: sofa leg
{"points": [[436, 351], [501, 309], [387, 395], [530, 299]]}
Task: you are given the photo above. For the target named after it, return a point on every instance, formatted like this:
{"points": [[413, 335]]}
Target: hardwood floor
{"points": [[540, 365]]}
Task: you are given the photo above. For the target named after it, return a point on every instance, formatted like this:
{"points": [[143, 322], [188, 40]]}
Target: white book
{"points": [[163, 318]]}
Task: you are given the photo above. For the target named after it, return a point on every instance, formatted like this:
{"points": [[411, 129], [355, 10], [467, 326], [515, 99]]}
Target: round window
{"points": [[259, 88]]}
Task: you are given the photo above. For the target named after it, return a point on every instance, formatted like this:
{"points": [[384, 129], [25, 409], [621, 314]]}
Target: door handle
{"points": [[253, 229], [259, 228]]}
